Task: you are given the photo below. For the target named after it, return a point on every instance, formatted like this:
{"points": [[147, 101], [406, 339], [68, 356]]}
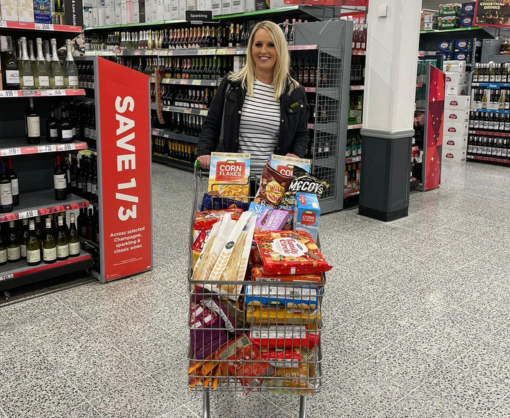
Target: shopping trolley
{"points": [[251, 336]]}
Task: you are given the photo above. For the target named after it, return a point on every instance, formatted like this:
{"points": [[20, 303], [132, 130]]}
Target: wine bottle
{"points": [[33, 247], [3, 250], [59, 181], [13, 245], [88, 226], [10, 73], [26, 72], [32, 124], [71, 72], [74, 239], [24, 239], [32, 55], [49, 245], [52, 126], [57, 72], [42, 70], [5, 191], [62, 244], [14, 182], [231, 37], [46, 48], [65, 128]]}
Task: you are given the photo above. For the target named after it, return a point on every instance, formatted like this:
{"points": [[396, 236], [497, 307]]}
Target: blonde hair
{"points": [[281, 74]]}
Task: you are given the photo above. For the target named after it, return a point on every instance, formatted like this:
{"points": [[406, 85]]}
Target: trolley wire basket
{"points": [[258, 335]]}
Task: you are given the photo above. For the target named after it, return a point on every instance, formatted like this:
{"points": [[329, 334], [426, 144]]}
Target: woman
{"points": [[259, 110]]}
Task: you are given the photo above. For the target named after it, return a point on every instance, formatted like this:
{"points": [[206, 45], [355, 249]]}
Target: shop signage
{"points": [[494, 13], [198, 17], [345, 3], [126, 241]]}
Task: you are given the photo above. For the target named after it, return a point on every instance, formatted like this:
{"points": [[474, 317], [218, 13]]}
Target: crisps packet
{"points": [[305, 183], [273, 186], [285, 165], [229, 174]]}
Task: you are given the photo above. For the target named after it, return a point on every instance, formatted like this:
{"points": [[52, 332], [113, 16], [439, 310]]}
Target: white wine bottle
{"points": [[49, 246], [31, 53], [46, 47], [26, 74], [13, 246], [33, 246], [62, 244], [71, 72], [74, 238], [42, 70], [57, 71]]}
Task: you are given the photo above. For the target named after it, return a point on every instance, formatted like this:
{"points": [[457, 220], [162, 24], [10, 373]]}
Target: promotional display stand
{"points": [[124, 171]]}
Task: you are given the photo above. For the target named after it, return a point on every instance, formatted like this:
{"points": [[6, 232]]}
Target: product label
{"points": [[13, 254], [33, 256], [23, 251], [50, 254], [33, 127], [28, 81], [62, 251], [67, 134], [59, 181], [14, 186], [289, 247], [3, 256], [59, 81], [74, 248], [73, 80], [12, 78], [44, 81], [53, 133], [5, 194]]}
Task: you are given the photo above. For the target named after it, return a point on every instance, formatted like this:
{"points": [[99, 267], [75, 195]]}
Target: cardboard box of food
{"points": [[307, 214], [454, 155], [457, 102]]}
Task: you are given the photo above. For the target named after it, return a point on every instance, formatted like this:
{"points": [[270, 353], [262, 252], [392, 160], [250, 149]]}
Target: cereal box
{"points": [[285, 165], [229, 174], [307, 214]]}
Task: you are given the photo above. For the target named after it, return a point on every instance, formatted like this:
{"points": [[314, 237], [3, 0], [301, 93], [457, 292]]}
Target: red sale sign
{"points": [[125, 164]]}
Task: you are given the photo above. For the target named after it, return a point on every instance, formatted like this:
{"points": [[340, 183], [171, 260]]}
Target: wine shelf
{"points": [[41, 93], [189, 82], [350, 160], [488, 159], [359, 52], [39, 26], [42, 203], [172, 162], [12, 147], [347, 195], [186, 110], [167, 133], [349, 127], [493, 86], [489, 133], [356, 88], [505, 112], [24, 274]]}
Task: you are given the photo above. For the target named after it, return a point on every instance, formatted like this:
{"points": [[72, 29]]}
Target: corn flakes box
{"points": [[229, 175]]}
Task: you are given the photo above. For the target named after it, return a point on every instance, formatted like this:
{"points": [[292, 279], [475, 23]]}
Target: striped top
{"points": [[259, 126]]}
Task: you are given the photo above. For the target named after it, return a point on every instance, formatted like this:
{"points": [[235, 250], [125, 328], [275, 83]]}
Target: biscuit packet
{"points": [[229, 175], [273, 186], [290, 252]]}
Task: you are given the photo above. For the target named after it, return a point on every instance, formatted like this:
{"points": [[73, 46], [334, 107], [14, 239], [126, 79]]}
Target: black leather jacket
{"points": [[293, 135]]}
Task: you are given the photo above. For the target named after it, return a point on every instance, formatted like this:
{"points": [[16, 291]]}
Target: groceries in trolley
{"points": [[256, 284]]}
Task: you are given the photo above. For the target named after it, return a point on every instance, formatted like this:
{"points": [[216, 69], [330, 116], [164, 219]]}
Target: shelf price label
{"points": [[46, 148], [59, 92], [196, 82], [184, 82], [43, 211], [7, 277], [10, 152], [220, 52], [3, 24], [163, 52], [187, 111], [28, 214], [202, 52], [203, 112], [166, 136], [66, 147], [44, 26], [9, 93]]}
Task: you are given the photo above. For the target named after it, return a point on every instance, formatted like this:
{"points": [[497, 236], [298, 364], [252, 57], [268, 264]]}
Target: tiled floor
{"points": [[417, 319]]}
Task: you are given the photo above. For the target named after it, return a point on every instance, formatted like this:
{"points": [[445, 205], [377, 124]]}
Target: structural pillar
{"points": [[390, 92]]}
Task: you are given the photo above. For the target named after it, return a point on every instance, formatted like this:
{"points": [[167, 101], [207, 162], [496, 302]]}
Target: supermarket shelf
{"points": [[39, 26], [310, 89], [419, 109], [494, 86], [355, 88], [20, 274], [347, 195], [353, 160], [493, 111], [473, 28], [423, 54], [190, 82], [167, 133], [41, 93], [349, 127], [90, 242], [172, 162], [488, 159], [359, 52], [42, 203], [189, 111], [418, 85], [12, 147], [488, 133]]}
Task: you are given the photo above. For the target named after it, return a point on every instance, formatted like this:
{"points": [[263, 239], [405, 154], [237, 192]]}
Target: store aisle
{"points": [[416, 318]]}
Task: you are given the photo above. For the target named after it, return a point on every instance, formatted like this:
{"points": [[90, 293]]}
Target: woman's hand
{"points": [[205, 161], [292, 155]]}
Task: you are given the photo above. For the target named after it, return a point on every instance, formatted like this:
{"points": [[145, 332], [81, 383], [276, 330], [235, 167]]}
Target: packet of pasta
{"points": [[229, 174]]}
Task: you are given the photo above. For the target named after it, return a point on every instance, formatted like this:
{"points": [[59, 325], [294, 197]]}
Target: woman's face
{"points": [[263, 51]]}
